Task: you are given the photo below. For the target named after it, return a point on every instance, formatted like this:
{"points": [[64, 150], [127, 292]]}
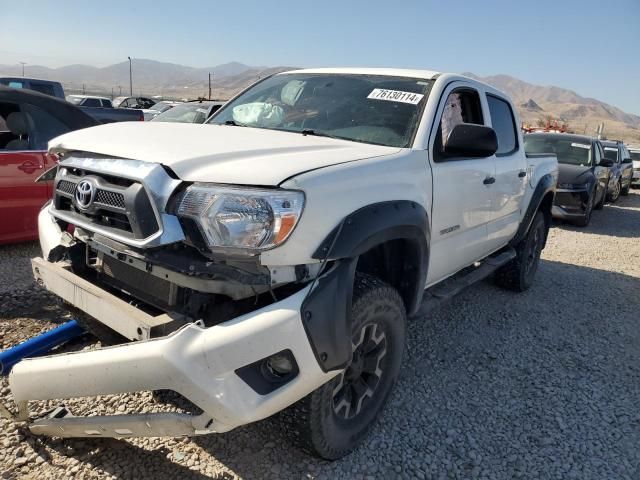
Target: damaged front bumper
{"points": [[217, 368]]}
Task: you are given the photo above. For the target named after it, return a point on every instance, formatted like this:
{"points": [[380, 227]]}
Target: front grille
{"points": [[66, 187], [121, 206], [110, 198]]}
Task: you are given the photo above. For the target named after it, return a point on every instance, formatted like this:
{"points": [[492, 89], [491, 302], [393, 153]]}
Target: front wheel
{"points": [[518, 274], [600, 204], [332, 420], [615, 193], [625, 191], [584, 221]]}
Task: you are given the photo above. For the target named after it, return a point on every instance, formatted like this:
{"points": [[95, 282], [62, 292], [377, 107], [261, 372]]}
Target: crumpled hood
{"points": [[574, 174], [218, 153]]}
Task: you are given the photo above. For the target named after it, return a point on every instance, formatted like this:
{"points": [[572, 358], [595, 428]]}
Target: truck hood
{"points": [[218, 153], [574, 174]]}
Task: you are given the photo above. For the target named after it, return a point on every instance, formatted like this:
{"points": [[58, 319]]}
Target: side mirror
{"points": [[471, 140], [605, 162], [626, 160]]}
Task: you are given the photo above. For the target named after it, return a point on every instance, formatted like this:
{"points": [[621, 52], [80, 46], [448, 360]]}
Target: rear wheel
{"points": [[518, 274], [332, 420]]}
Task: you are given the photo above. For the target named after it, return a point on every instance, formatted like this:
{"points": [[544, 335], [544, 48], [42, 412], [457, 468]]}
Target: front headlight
{"points": [[242, 218]]}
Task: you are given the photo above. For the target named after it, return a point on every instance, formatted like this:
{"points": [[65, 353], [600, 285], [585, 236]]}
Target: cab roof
{"points": [[392, 72]]}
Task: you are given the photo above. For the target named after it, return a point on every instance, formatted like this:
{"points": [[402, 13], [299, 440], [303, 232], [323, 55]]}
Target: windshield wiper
{"points": [[309, 131], [234, 123]]}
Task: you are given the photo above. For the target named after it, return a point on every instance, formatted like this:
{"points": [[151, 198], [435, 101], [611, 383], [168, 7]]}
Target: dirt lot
{"points": [[544, 384]]}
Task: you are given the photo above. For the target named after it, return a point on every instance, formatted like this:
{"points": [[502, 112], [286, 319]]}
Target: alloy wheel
{"points": [[360, 379]]}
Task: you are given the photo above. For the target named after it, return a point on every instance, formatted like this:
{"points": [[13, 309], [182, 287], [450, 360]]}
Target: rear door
{"points": [[462, 195], [511, 174]]}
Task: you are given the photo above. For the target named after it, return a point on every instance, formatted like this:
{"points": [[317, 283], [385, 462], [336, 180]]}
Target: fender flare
{"points": [[326, 311], [545, 185]]}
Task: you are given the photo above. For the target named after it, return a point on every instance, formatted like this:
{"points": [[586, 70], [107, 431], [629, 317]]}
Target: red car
{"points": [[28, 120]]}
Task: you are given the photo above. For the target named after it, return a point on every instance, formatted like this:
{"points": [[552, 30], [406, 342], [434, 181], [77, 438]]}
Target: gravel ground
{"points": [[495, 385]]}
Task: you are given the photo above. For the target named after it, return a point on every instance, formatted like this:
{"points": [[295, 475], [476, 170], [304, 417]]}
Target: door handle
{"points": [[489, 180], [522, 174], [29, 167]]}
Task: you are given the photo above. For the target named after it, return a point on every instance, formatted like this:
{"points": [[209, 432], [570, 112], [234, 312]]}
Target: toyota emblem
{"points": [[85, 192]]}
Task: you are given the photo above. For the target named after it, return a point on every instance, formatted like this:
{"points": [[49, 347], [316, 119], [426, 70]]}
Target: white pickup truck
{"points": [[267, 260]]}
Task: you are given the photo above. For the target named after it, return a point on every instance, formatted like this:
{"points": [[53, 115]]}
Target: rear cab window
{"points": [[503, 122]]}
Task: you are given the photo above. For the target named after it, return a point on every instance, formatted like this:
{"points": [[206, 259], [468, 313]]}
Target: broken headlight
{"points": [[247, 219]]}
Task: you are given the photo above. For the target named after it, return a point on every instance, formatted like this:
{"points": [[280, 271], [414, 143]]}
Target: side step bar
{"points": [[60, 423], [442, 293]]}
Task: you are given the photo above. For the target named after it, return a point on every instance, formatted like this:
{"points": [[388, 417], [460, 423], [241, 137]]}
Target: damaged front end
{"points": [[223, 331]]}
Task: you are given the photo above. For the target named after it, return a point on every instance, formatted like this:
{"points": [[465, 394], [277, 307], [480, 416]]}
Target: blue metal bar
{"points": [[38, 345]]}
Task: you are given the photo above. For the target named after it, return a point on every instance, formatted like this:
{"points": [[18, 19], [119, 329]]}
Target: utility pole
{"points": [[130, 79], [120, 88], [23, 64], [111, 93], [210, 85], [83, 89]]}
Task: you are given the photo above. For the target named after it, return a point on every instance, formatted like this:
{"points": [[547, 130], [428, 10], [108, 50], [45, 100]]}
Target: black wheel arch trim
{"points": [[546, 184], [326, 311]]}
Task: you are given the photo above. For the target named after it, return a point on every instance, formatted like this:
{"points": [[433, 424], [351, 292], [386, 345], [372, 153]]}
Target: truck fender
{"points": [[326, 311], [545, 185]]}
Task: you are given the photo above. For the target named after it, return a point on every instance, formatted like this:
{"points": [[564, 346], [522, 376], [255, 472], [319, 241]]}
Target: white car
{"points": [[267, 260]]}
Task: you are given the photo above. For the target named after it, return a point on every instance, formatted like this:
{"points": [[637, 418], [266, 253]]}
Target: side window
{"points": [[42, 126], [91, 102], [124, 104], [43, 88], [504, 124], [9, 139], [462, 106], [107, 103]]}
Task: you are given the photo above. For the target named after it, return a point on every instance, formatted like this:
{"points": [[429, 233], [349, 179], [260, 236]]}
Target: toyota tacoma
{"points": [[267, 260]]}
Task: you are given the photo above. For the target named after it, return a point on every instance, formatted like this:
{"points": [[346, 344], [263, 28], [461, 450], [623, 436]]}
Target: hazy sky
{"points": [[592, 47]]}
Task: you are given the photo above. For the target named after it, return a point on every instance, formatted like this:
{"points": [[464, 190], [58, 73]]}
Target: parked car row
{"points": [[591, 172]]}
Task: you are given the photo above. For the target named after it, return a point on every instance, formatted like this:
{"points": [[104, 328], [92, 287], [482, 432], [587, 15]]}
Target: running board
{"points": [[443, 292], [60, 423]]}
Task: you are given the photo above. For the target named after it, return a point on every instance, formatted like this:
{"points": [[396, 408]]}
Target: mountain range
{"points": [[536, 104]]}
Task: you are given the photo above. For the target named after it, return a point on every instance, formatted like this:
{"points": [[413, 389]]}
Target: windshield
{"points": [[161, 106], [382, 110], [611, 153], [568, 150], [193, 113]]}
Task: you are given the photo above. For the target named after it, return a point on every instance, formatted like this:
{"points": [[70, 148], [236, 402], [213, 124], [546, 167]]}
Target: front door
{"points": [[462, 189]]}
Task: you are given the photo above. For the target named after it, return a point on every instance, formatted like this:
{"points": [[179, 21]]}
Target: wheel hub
{"points": [[361, 378]]}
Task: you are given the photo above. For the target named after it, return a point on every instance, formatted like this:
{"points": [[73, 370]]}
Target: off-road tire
{"points": [[519, 273], [312, 423], [584, 221]]}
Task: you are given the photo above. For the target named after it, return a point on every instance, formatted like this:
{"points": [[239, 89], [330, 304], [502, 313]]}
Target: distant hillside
{"points": [[581, 113]]}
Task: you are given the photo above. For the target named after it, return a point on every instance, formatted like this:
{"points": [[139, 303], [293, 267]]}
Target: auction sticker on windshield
{"points": [[395, 96]]}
